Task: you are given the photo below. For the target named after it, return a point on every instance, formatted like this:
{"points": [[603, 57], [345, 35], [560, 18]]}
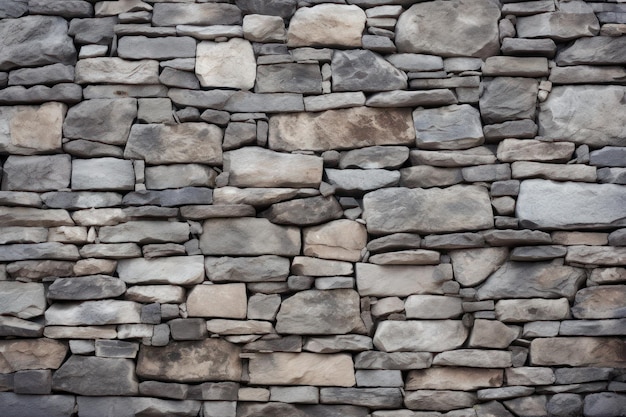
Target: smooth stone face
{"points": [[47, 250], [358, 181], [320, 312], [363, 70], [103, 174], [510, 150], [451, 127], [570, 205], [93, 313], [289, 78], [132, 406], [605, 403], [400, 280], [167, 47], [260, 28], [12, 326], [85, 375], [475, 358], [101, 120], [588, 114], [492, 334], [508, 98], [340, 239], [22, 299], [49, 405], [226, 300], [23, 354], [309, 26], [282, 8], [36, 173], [427, 306], [297, 410], [248, 236], [598, 50], [302, 368], [439, 400], [341, 129], [179, 175], [147, 231], [426, 28], [435, 210], [596, 255], [571, 21], [171, 144], [258, 167], [172, 14], [473, 266], [534, 309], [35, 41], [451, 378], [176, 270], [247, 269], [420, 335], [601, 302], [226, 64], [29, 130], [86, 288], [528, 280], [116, 71], [577, 351]]}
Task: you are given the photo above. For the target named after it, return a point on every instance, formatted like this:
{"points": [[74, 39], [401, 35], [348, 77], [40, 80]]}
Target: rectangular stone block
{"points": [[400, 280], [578, 351], [29, 130]]}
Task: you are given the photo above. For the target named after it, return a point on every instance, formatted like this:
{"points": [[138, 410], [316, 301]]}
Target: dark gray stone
{"points": [[605, 404], [101, 120], [304, 211], [247, 102], [34, 41], [362, 70], [170, 198], [116, 349], [522, 129], [172, 14], [164, 390], [135, 406], [35, 381], [508, 98], [94, 287], [597, 50], [168, 47], [86, 148], [93, 31], [282, 8], [580, 375], [16, 405], [612, 175], [452, 127], [276, 409], [565, 405], [48, 250], [65, 93], [81, 199], [609, 327], [247, 269], [528, 47], [49, 74], [36, 173], [211, 99], [188, 329], [151, 314], [13, 8], [16, 327], [572, 20], [86, 375], [402, 98], [289, 78], [180, 79], [609, 156], [359, 181], [373, 398]]}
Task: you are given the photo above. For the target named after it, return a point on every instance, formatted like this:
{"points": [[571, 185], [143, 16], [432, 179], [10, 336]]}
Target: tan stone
{"points": [[302, 369], [401, 280], [239, 327], [462, 379], [30, 130], [224, 300], [18, 355], [351, 128], [534, 309], [303, 265], [600, 302], [597, 255], [226, 64], [327, 25], [578, 351], [492, 334], [340, 239], [556, 172], [116, 71], [84, 332], [510, 150], [580, 238], [420, 335]]}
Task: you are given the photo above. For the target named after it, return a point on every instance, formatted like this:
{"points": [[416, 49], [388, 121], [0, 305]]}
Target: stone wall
{"points": [[246, 208]]}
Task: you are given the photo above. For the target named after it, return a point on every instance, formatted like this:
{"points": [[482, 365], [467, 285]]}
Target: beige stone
{"points": [[116, 71], [224, 300], [18, 355], [226, 327], [401, 280], [302, 369], [492, 334], [510, 150], [596, 255], [30, 130], [534, 309], [462, 379], [175, 270], [439, 400], [226, 64], [351, 128], [84, 332], [556, 172], [327, 25], [340, 239], [303, 265], [262, 28], [578, 351], [580, 238], [600, 302], [420, 335]]}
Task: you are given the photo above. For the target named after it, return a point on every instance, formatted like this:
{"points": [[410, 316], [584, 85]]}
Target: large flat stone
{"points": [[340, 239], [35, 41], [247, 269], [289, 78], [585, 114], [320, 312], [465, 379], [30, 130], [597, 50], [309, 26], [434, 210], [192, 361], [175, 270], [533, 309], [22, 354], [571, 205], [171, 144], [224, 300], [439, 400], [600, 302], [101, 120], [248, 236], [426, 28], [508, 98], [22, 299], [473, 266], [110, 174], [341, 129], [93, 313], [166, 47], [47, 250], [92, 287], [363, 70], [578, 351], [145, 231], [278, 409], [116, 71], [374, 398], [172, 14], [452, 127], [302, 369], [134, 406], [420, 335], [572, 20], [87, 375], [226, 64], [259, 167], [37, 173], [400, 280]]}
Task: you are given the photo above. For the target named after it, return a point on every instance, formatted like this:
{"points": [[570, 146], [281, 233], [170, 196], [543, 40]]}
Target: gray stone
{"points": [[609, 327], [141, 47], [263, 306], [248, 236], [86, 375], [31, 405], [341, 239], [474, 358], [479, 155], [179, 175], [252, 166], [495, 172], [424, 176], [27, 216], [289, 78], [538, 253], [334, 101], [181, 79], [551, 205], [13, 8], [393, 360], [248, 269], [33, 382], [163, 390], [212, 32], [172, 14], [93, 313], [563, 115], [533, 309], [102, 174], [156, 294], [523, 129], [282, 8], [23, 234], [260, 28], [320, 312], [373, 398], [341, 129], [580, 375], [65, 93], [101, 120], [82, 200], [304, 211], [401, 98], [117, 70], [239, 134], [525, 280], [504, 393], [428, 306], [565, 405], [247, 102], [116, 349], [439, 400], [92, 287], [283, 410], [597, 50], [577, 351], [420, 335], [601, 302], [516, 237], [188, 329], [145, 231], [47, 250], [260, 197], [177, 270], [363, 70], [36, 173], [374, 157], [15, 327], [214, 99], [303, 395], [85, 149], [225, 300], [596, 255], [309, 26], [401, 280], [117, 90], [455, 208], [612, 175], [133, 406], [515, 67], [415, 62], [587, 74], [316, 267], [571, 21], [49, 74], [22, 299], [35, 41], [98, 31], [508, 98], [473, 266], [167, 198], [358, 181], [451, 378], [510, 150], [452, 127], [424, 28], [528, 47], [333, 344], [226, 64]]}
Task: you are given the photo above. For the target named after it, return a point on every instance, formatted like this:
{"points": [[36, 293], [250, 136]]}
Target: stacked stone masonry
{"points": [[340, 208]]}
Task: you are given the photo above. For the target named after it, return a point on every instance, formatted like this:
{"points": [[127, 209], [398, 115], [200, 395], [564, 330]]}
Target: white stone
{"points": [[327, 25], [226, 64]]}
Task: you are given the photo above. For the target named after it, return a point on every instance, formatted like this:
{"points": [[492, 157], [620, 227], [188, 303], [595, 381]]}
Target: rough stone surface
{"points": [[571, 21], [577, 351], [508, 98], [30, 130], [24, 354], [452, 127], [226, 64], [428, 335], [111, 125], [175, 270], [85, 375], [401, 280], [309, 26], [362, 70]]}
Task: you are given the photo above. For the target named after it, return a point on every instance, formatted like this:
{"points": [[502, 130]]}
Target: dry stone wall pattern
{"points": [[346, 208]]}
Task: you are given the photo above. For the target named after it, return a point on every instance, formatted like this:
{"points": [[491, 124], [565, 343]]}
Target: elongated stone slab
{"points": [[29, 130], [175, 270], [466, 379], [116, 71], [88, 375], [302, 369], [49, 405], [247, 269], [93, 313], [23, 354], [434, 210], [351, 128], [570, 205], [578, 351], [194, 361], [400, 280], [420, 335], [47, 250], [309, 26]]}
